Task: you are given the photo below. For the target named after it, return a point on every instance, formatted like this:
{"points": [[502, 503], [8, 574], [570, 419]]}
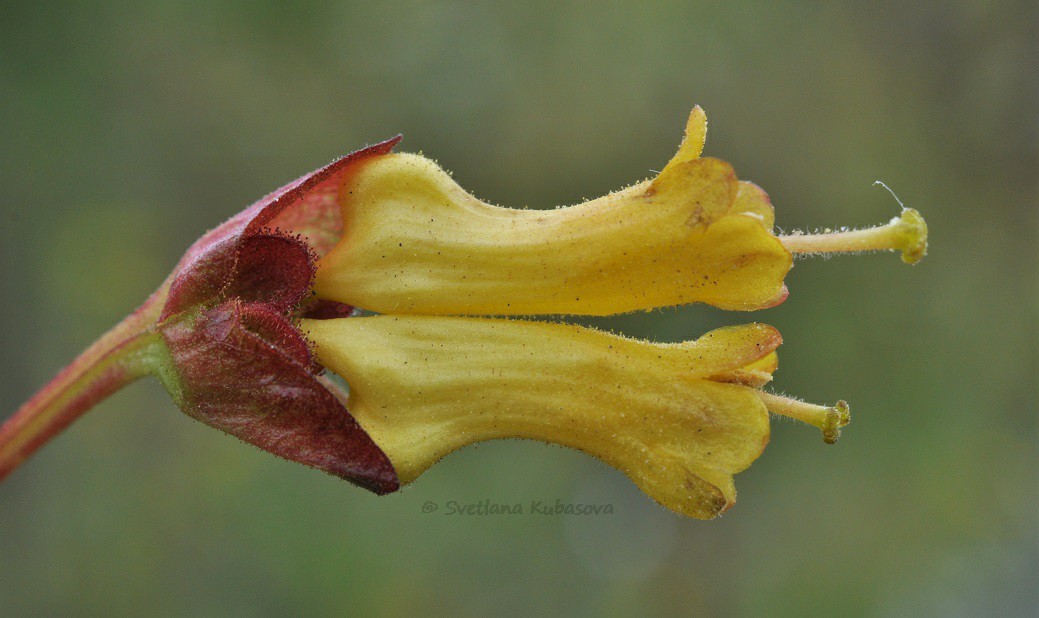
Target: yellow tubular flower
{"points": [[416, 242], [678, 419]]}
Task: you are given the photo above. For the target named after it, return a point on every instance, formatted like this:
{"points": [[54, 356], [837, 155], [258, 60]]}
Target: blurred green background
{"points": [[127, 130]]}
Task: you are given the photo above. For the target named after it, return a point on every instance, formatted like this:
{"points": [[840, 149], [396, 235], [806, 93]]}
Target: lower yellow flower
{"points": [[678, 419]]}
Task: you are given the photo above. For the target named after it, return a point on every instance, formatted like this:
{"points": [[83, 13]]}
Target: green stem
{"points": [[122, 355]]}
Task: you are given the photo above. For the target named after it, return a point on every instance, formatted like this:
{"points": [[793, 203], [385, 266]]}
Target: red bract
{"points": [[221, 335], [306, 208], [242, 365]]}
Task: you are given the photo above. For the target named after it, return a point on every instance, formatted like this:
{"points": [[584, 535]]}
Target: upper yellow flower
{"points": [[416, 242]]}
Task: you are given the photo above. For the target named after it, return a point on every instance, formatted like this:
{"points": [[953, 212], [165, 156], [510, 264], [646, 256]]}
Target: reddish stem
{"points": [[122, 355]]}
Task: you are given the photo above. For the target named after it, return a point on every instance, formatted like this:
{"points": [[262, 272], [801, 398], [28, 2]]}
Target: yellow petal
{"points": [[752, 199], [423, 387], [694, 139], [757, 374], [731, 348], [415, 242]]}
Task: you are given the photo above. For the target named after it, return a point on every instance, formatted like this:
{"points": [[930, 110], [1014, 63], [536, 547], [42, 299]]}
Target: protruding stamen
{"points": [[906, 233], [829, 420]]}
